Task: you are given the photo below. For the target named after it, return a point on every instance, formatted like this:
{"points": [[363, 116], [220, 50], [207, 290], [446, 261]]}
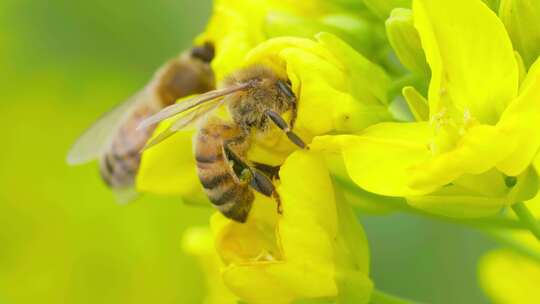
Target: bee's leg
{"points": [[271, 171], [294, 114], [257, 180], [276, 197], [282, 124], [260, 182]]}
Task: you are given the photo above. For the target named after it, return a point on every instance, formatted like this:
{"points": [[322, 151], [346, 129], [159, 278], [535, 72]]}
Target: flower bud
{"points": [[358, 32], [521, 20], [405, 40]]}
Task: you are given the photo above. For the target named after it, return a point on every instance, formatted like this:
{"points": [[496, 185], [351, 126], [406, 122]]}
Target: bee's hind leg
{"points": [[246, 173], [282, 124], [262, 184]]}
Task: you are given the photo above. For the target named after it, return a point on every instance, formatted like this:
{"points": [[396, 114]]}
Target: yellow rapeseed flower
{"points": [[472, 157], [315, 249], [338, 91], [236, 26]]}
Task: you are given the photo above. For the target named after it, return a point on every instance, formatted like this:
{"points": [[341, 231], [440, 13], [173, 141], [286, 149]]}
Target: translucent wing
{"points": [[209, 97], [125, 195], [99, 136], [180, 123]]}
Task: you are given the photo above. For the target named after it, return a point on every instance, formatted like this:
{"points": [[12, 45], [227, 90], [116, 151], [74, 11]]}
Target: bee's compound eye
{"points": [[285, 88]]}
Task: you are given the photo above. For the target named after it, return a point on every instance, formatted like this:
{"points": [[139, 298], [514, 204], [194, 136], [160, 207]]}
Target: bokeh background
{"points": [[63, 239]]}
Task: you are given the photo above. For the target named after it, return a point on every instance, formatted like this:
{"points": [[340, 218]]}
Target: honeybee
{"points": [[114, 140], [255, 97]]}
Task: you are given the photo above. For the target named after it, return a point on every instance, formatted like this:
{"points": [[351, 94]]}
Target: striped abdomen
{"points": [[178, 78], [119, 165], [231, 197]]}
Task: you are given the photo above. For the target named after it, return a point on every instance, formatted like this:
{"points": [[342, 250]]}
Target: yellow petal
{"points": [[308, 236], [472, 196], [367, 81], [348, 191], [169, 168], [519, 125], [473, 154], [509, 277], [380, 158], [456, 201], [338, 90], [515, 138], [234, 28], [470, 55]]}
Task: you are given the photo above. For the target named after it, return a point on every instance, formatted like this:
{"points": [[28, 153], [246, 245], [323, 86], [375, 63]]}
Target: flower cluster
{"points": [[428, 105]]}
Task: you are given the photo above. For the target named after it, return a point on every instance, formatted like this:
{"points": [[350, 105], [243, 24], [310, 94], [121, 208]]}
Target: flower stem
{"points": [[379, 297], [527, 218]]}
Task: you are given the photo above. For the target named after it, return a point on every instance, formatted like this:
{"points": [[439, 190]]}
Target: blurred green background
{"points": [[63, 239]]}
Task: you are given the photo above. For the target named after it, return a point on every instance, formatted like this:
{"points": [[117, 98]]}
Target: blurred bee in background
{"points": [[255, 97], [114, 140]]}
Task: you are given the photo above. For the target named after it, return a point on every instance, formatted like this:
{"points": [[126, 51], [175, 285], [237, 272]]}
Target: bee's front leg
{"points": [[282, 124]]}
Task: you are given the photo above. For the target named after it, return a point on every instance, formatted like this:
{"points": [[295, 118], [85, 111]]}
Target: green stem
{"points": [[491, 222], [379, 297], [527, 218]]}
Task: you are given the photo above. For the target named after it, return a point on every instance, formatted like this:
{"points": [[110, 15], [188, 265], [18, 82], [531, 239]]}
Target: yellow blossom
{"points": [[316, 248], [236, 26], [338, 91], [313, 250], [482, 125]]}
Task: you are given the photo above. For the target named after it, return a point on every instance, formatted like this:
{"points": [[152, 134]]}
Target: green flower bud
{"points": [[358, 32], [521, 20], [405, 41]]}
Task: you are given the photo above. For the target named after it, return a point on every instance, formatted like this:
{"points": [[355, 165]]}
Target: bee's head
{"points": [[205, 52]]}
